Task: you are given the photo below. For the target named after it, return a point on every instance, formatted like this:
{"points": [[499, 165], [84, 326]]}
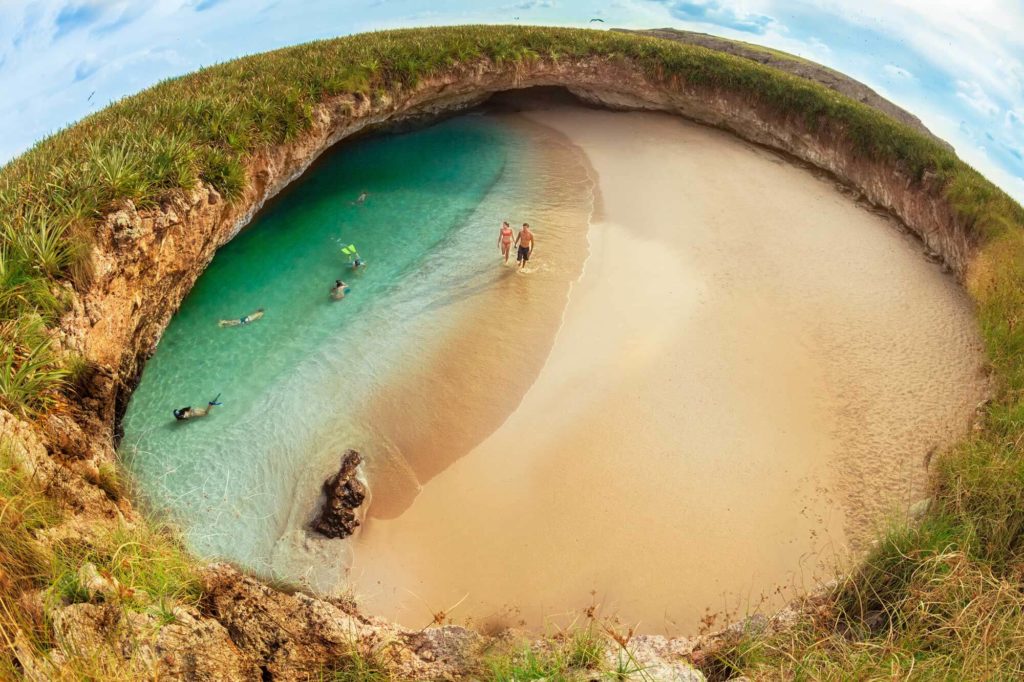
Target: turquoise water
{"points": [[291, 382]]}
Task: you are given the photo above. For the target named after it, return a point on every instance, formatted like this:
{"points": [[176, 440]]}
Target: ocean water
{"points": [[243, 482]]}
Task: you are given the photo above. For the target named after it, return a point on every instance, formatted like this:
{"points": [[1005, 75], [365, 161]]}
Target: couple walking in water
{"points": [[524, 242]]}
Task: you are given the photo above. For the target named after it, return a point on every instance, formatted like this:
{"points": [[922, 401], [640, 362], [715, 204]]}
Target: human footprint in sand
{"points": [[525, 241], [505, 240]]}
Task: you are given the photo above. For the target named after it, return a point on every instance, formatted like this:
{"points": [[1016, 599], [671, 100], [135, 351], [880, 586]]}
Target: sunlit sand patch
{"points": [[747, 379]]}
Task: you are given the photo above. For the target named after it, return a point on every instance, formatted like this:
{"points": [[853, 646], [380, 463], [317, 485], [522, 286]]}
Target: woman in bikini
{"points": [[505, 240]]}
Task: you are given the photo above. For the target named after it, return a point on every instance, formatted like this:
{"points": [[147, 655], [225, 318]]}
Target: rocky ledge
{"points": [[344, 493]]}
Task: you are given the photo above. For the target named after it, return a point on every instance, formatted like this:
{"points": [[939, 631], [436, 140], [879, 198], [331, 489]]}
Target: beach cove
{"points": [[696, 368]]}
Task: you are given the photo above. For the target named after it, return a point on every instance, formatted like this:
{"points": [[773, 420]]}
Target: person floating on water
{"points": [[525, 241], [244, 320], [339, 290], [355, 260], [185, 413], [505, 239]]}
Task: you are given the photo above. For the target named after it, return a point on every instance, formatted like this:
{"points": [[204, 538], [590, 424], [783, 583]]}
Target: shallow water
{"points": [[712, 415], [293, 383]]}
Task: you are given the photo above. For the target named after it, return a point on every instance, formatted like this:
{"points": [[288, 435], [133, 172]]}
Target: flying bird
{"points": [[593, 20], [90, 96]]}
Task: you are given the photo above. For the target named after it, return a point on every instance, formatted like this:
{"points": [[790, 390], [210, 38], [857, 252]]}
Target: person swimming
{"points": [[361, 199], [339, 290], [244, 320], [183, 414], [355, 260]]}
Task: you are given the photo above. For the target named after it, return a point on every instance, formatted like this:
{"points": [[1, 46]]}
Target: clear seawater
{"points": [[291, 381]]}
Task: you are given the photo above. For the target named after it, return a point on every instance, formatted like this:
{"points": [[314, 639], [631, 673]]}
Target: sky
{"points": [[956, 64]]}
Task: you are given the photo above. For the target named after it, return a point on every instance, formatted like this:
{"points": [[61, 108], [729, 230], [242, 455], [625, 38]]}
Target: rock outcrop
{"points": [[144, 262], [344, 494]]}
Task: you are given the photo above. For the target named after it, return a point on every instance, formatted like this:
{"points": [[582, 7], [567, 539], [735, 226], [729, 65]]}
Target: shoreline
{"points": [[465, 363], [509, 475]]}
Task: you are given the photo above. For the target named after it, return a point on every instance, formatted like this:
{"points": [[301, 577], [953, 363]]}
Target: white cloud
{"points": [[976, 98], [897, 72], [531, 4], [121, 46], [734, 15]]}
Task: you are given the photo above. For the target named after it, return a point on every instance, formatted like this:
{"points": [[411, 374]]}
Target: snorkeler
{"points": [[505, 239], [355, 260], [185, 413], [245, 319], [339, 290]]}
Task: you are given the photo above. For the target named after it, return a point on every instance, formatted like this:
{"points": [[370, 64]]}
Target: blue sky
{"points": [[958, 65]]}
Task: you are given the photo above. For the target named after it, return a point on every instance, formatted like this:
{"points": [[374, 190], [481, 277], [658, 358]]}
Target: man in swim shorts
{"points": [[505, 239], [244, 320], [525, 242]]}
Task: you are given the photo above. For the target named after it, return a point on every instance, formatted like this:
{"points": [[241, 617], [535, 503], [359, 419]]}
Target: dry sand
{"points": [[747, 378]]}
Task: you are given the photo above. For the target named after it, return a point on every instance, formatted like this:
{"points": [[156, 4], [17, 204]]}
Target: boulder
{"points": [[344, 493]]}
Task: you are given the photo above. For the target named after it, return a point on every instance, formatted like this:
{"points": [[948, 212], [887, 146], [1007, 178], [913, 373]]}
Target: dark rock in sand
{"points": [[345, 492]]}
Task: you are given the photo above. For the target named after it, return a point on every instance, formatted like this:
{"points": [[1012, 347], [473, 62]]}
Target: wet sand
{"points": [[481, 354], [468, 357], [748, 376]]}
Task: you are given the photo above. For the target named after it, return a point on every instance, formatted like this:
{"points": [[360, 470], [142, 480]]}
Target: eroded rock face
{"points": [[830, 78], [145, 262], [345, 493]]}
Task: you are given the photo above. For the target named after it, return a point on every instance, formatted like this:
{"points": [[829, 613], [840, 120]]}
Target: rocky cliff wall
{"points": [[145, 262]]}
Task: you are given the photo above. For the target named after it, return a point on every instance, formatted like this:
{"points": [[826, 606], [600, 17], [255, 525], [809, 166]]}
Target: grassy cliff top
{"points": [[941, 597], [200, 128]]}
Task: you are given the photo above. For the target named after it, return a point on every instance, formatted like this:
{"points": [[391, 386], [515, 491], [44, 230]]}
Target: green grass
{"points": [[932, 600], [24, 561], [146, 561], [572, 655], [527, 663], [585, 648], [110, 480], [361, 664]]}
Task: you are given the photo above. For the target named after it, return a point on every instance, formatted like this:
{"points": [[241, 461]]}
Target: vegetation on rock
{"points": [[938, 599]]}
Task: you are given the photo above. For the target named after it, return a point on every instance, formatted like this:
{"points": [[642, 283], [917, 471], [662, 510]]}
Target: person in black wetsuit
{"points": [[185, 413]]}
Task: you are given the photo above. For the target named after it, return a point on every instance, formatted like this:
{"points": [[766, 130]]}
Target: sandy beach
{"points": [[747, 378]]}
